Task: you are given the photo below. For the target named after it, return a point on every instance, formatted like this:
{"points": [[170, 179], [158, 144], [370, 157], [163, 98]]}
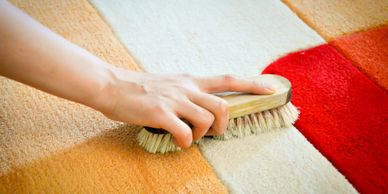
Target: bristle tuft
{"points": [[156, 143], [256, 123], [261, 122]]}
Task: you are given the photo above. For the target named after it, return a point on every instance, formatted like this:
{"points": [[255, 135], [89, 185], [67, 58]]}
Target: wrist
{"points": [[111, 82], [105, 87]]}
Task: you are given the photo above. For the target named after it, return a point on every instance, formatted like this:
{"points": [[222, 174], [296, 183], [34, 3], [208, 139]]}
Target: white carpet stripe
{"points": [[206, 37]]}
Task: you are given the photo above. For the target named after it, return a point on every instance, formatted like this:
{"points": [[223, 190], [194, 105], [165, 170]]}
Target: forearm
{"points": [[32, 54]]}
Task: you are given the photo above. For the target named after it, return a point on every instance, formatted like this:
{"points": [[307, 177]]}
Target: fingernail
{"points": [[266, 86], [270, 89]]}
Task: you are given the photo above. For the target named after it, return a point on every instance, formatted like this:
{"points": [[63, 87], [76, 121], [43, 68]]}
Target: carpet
{"points": [[113, 163], [282, 161], [49, 145], [343, 114], [368, 52], [332, 18], [204, 38], [230, 37]]}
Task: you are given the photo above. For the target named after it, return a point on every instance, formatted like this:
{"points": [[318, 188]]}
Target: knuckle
{"points": [[228, 78], [159, 109], [207, 120], [229, 81], [182, 89], [222, 106], [175, 98]]}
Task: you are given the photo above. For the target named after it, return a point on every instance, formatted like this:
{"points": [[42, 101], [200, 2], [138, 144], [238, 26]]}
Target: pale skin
{"points": [[32, 54]]}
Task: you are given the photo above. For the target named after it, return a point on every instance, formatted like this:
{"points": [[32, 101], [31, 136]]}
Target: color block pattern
{"points": [[343, 114], [49, 145], [368, 51], [35, 124], [113, 163], [282, 161], [238, 37]]}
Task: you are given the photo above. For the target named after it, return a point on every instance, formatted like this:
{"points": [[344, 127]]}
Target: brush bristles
{"points": [[256, 123], [261, 122], [154, 143]]}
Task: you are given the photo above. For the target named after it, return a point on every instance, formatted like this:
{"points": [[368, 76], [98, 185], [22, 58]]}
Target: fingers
{"points": [[200, 118], [229, 83], [180, 130], [191, 101], [218, 107]]}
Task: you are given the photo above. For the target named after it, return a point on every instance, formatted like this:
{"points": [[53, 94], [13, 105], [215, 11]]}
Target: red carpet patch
{"points": [[343, 114]]}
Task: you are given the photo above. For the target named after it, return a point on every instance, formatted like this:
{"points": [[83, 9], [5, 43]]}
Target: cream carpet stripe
{"points": [[239, 37], [279, 162], [206, 37]]}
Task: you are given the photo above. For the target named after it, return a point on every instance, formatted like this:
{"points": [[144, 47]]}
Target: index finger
{"points": [[229, 83]]}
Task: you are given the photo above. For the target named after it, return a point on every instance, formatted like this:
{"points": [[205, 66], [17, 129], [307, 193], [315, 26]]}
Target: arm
{"points": [[32, 54]]}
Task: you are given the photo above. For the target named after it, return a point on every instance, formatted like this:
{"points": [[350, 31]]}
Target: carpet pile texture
{"points": [[343, 113], [368, 51], [332, 18], [49, 145], [338, 145]]}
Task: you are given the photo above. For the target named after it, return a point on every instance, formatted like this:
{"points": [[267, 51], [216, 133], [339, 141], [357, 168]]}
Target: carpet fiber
{"points": [[49, 145], [206, 37], [282, 161], [113, 163], [343, 114], [333, 18], [239, 37], [368, 51]]}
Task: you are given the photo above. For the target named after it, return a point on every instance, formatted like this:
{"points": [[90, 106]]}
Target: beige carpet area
{"points": [[332, 18], [239, 37], [49, 145]]}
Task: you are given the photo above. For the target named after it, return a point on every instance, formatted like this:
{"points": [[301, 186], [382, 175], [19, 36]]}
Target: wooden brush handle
{"points": [[241, 104]]}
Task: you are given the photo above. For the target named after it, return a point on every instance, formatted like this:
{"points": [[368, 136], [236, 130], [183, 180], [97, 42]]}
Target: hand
{"points": [[161, 101], [68, 71]]}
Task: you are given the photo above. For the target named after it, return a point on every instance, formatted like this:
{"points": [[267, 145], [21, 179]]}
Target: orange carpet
{"points": [[50, 145], [368, 51], [112, 163], [333, 18]]}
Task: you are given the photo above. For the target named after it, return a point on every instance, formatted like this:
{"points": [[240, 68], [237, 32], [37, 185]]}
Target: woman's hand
{"points": [[162, 100]]}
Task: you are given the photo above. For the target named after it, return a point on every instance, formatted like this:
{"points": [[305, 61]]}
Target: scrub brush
{"points": [[249, 114]]}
